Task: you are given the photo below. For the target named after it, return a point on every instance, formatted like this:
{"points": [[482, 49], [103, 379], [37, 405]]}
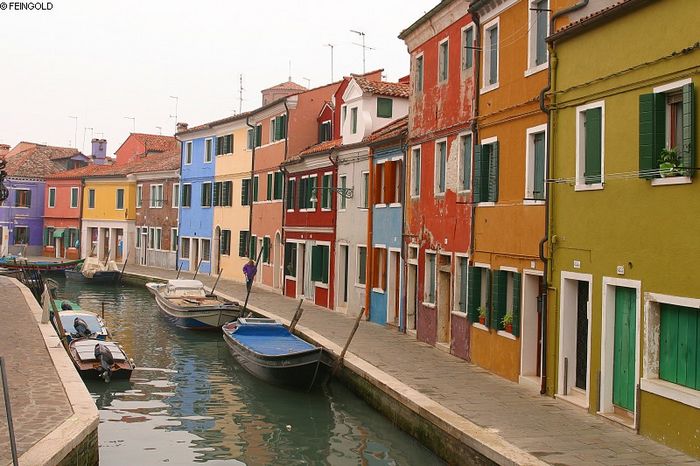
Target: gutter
{"points": [[547, 261]]}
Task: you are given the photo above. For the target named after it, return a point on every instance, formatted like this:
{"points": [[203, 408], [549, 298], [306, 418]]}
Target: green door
{"points": [[625, 351]]}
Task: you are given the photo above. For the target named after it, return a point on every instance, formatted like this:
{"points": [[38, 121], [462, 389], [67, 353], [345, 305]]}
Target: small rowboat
{"points": [[93, 364], [106, 276], [12, 262], [95, 325], [266, 349], [187, 304]]}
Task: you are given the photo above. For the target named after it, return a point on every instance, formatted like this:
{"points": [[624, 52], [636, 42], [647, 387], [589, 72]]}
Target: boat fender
{"points": [[104, 356]]}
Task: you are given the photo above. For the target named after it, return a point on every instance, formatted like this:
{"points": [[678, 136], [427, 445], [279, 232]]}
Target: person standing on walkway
{"points": [[249, 270]]}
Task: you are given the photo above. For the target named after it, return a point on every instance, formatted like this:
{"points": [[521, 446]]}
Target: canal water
{"points": [[189, 402]]}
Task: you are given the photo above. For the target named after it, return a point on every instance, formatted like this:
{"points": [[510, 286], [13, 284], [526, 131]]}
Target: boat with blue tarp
{"points": [[266, 349]]}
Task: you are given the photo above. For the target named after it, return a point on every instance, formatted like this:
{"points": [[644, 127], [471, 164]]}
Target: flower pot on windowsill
{"points": [[667, 170], [482, 320], [668, 163], [509, 328]]}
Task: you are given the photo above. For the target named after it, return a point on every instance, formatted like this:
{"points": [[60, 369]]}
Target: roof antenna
{"points": [[240, 93], [290, 70]]}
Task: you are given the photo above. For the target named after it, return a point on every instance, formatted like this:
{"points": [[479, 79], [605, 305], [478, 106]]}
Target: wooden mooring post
{"points": [[297, 316]]}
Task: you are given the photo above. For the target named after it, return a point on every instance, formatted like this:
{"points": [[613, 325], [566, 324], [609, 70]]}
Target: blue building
{"points": [[387, 148], [196, 213]]}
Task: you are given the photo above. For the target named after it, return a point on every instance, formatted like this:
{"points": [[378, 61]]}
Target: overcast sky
{"points": [[104, 60]]}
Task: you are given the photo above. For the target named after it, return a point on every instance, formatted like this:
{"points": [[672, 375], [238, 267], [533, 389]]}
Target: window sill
{"points": [[415, 196], [684, 395], [480, 327], [326, 210], [291, 279], [321, 285], [488, 88], [290, 210], [486, 204], [588, 187], [536, 69], [360, 285], [462, 192], [672, 180], [458, 313], [505, 334], [379, 206], [533, 202], [430, 305], [377, 290], [395, 204]]}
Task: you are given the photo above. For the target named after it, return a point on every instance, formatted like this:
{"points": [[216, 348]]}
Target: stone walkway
{"points": [[549, 429], [37, 397]]}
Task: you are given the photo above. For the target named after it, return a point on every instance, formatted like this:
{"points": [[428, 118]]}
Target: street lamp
{"points": [[342, 192]]}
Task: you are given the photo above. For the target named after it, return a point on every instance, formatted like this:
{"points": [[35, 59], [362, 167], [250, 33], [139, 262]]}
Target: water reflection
{"points": [[189, 402]]}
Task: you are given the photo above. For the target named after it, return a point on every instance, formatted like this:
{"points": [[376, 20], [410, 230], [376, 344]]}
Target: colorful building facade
{"points": [[623, 317]]}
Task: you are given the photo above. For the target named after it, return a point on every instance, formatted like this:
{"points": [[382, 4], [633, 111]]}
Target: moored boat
{"points": [[94, 271], [71, 316], [266, 349], [97, 359], [13, 262], [187, 304]]}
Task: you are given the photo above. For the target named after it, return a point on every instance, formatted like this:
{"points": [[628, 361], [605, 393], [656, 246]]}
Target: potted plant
{"points": [[482, 315], [668, 163], [508, 322]]}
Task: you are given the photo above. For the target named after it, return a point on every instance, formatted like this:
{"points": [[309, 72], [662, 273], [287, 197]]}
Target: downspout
{"points": [[475, 127], [402, 306], [179, 206], [252, 180], [284, 205], [547, 261], [283, 255], [370, 218]]}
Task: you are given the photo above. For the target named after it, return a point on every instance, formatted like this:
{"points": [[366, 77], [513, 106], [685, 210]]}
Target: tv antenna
{"points": [[364, 48], [177, 99], [331, 47]]}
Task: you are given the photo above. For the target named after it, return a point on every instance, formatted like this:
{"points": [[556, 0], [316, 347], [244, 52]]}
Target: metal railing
{"points": [[8, 411]]}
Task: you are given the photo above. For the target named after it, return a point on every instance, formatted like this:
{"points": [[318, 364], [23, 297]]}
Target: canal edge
{"points": [[77, 437], [458, 435]]}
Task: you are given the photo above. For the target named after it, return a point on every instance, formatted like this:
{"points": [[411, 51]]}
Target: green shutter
{"points": [[652, 133], [679, 345], [362, 266], [687, 155], [258, 136], [324, 263], [266, 250], [517, 281], [538, 185], [46, 237], [279, 185], [500, 286], [477, 174], [474, 293], [253, 240], [493, 173], [269, 186], [255, 188], [217, 193], [594, 133], [325, 193], [242, 242], [317, 263]]}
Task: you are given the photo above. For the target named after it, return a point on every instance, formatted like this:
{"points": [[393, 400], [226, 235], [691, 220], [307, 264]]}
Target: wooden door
{"points": [[624, 348], [582, 336]]}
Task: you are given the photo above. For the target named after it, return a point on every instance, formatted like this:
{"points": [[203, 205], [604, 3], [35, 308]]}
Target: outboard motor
{"points": [[66, 306], [104, 356], [81, 328]]}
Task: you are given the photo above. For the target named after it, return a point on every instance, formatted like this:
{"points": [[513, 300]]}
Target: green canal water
{"points": [[189, 402]]}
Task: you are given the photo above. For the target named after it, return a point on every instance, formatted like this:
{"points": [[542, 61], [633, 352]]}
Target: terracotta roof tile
{"points": [[154, 163], [389, 131], [88, 170], [383, 88], [156, 142], [38, 160], [288, 85], [215, 123], [322, 147], [614, 8]]}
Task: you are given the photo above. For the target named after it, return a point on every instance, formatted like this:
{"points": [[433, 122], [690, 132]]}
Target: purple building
{"points": [[21, 215]]}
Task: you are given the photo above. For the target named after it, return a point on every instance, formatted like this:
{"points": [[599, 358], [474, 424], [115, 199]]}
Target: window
{"points": [[320, 257], [138, 237], [188, 153], [465, 162], [269, 186], [387, 179], [207, 150], [379, 269], [278, 128], [74, 197], [440, 165], [536, 160], [429, 278], [679, 345], [461, 284], [486, 171], [253, 245], [344, 115], [384, 107], [176, 195], [290, 259], [491, 55], [324, 131], [155, 238], [52, 197], [186, 195], [156, 196], [256, 180], [397, 182], [326, 193], [91, 198], [205, 246], [478, 294], [291, 191], [223, 193], [589, 146], [224, 145], [225, 242], [120, 198], [23, 198], [21, 235], [361, 265], [443, 60], [666, 122], [343, 184], [467, 47], [306, 187], [353, 120], [538, 30], [365, 190], [250, 141], [266, 250], [245, 191], [185, 248], [206, 195], [258, 135], [419, 73], [243, 243], [415, 172], [48, 236], [139, 195], [505, 300], [173, 239]]}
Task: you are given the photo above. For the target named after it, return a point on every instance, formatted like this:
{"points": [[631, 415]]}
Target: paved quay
{"points": [[54, 416], [488, 411]]}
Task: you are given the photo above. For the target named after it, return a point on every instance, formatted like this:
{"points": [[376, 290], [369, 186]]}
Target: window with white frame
{"points": [[490, 54], [325, 131], [188, 153], [486, 173], [224, 145], [176, 195], [443, 60], [74, 194], [538, 31], [206, 198], [184, 248], [461, 284], [440, 166], [156, 200], [419, 73], [468, 47], [344, 115], [379, 268], [326, 191], [120, 199], [173, 239], [205, 246], [536, 159], [208, 143], [590, 145], [361, 265], [353, 120], [365, 190], [465, 162], [415, 171], [21, 235], [52, 197], [291, 193], [139, 195], [186, 195], [430, 276], [278, 128], [155, 237], [384, 107], [343, 184], [398, 181]]}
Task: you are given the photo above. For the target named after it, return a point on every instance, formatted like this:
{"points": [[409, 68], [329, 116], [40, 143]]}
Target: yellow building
{"points": [[623, 321]]}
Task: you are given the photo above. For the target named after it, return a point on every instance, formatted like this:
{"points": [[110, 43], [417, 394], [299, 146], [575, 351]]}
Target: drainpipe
{"points": [[475, 125], [179, 180], [252, 180], [404, 299], [547, 200], [284, 192], [370, 218]]}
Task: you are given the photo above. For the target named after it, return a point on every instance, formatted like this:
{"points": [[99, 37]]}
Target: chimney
{"points": [[181, 127], [99, 151], [4, 149]]}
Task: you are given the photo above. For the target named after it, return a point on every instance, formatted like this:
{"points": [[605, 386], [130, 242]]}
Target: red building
{"points": [[141, 145], [438, 175]]}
